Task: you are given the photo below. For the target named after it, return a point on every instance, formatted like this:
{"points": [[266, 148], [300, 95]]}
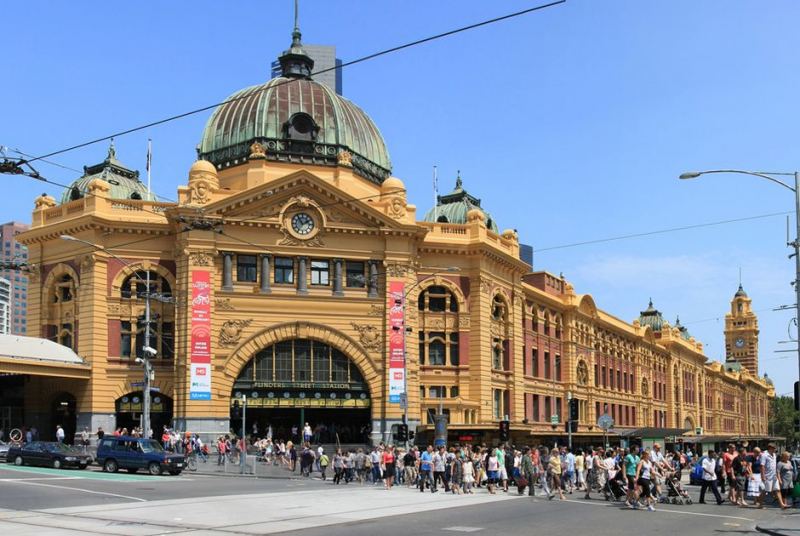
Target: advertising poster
{"points": [[397, 350], [200, 343]]}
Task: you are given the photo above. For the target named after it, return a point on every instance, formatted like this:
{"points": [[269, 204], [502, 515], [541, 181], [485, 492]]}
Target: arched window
{"points": [[500, 329], [62, 310], [437, 299], [136, 289]]}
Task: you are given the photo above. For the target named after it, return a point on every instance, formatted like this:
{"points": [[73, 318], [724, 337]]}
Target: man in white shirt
{"points": [[59, 434], [710, 477], [769, 476]]}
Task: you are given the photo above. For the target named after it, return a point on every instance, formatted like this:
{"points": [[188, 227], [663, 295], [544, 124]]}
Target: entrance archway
{"points": [[129, 409], [303, 380], [64, 414]]}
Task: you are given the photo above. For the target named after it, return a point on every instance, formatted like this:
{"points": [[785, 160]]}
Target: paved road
{"points": [[39, 501]]}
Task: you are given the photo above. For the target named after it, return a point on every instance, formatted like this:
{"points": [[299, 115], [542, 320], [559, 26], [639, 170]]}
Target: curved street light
{"points": [[795, 244]]}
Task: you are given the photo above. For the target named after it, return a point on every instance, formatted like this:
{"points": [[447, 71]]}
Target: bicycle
{"points": [[191, 461]]}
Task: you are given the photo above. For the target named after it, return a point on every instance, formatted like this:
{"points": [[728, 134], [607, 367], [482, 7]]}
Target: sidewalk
{"points": [[253, 469]]}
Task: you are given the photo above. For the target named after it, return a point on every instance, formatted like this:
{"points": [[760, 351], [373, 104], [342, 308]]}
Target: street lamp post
{"points": [[795, 244], [405, 353], [147, 351]]}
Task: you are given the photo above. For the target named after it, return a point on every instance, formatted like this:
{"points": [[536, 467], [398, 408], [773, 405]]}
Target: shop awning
{"points": [[40, 357]]}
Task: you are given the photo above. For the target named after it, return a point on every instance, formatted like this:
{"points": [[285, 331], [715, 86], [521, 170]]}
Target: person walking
{"points": [[727, 465], [439, 458], [388, 467], [770, 478], [554, 468], [740, 470], [709, 465], [426, 470], [630, 463], [644, 475], [468, 468], [338, 466], [59, 434], [786, 477]]}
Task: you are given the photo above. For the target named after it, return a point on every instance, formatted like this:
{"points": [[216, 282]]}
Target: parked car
{"points": [[48, 454], [134, 453], [4, 450]]}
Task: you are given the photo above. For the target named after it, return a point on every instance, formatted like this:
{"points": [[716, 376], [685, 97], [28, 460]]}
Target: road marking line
{"points": [[463, 529], [79, 489], [667, 511], [41, 478]]}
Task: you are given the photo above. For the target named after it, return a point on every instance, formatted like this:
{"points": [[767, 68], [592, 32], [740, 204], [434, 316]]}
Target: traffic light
{"points": [[797, 396], [411, 435], [505, 428], [237, 410], [574, 409], [402, 433]]}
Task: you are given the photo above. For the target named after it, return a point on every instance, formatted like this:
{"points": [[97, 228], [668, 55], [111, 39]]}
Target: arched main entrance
{"points": [[129, 409], [303, 380]]}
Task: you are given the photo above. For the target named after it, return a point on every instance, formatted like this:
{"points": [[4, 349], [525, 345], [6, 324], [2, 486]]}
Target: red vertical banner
{"points": [[200, 341], [397, 341]]}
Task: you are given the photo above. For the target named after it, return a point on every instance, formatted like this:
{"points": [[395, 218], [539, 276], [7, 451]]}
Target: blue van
{"points": [[134, 453]]}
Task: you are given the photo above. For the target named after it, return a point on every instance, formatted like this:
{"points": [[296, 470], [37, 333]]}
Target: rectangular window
{"points": [[421, 348], [611, 378], [535, 363], [454, 356], [302, 360], [557, 409], [125, 339], [438, 391], [558, 368], [454, 392], [596, 376], [619, 379], [547, 365], [284, 270], [283, 361], [498, 404], [548, 408], [167, 340], [436, 349], [320, 273], [535, 408], [246, 268], [354, 274], [603, 375], [322, 364]]}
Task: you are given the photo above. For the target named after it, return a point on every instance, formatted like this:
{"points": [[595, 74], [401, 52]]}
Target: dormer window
{"points": [[301, 126], [136, 196]]}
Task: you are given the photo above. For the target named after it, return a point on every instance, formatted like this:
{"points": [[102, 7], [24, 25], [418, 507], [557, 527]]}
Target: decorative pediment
{"points": [[270, 203]]}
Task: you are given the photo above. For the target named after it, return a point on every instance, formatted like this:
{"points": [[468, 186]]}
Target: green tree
{"points": [[781, 419]]}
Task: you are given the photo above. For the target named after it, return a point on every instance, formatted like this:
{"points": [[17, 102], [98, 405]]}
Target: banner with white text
{"points": [[200, 344], [397, 350]]}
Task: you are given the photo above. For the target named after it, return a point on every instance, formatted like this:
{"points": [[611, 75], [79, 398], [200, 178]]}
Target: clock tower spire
{"points": [[741, 333]]}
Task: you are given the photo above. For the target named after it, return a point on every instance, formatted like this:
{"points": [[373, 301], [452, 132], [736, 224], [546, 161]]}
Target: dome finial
{"points": [[296, 32], [295, 62], [459, 184], [112, 151]]}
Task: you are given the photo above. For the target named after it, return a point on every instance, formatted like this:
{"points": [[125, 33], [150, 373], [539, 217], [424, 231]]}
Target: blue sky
{"points": [[571, 124]]}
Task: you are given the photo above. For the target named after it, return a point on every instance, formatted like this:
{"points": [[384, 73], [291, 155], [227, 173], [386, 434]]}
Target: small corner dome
{"points": [[203, 166], [391, 185], [124, 182], [456, 206]]}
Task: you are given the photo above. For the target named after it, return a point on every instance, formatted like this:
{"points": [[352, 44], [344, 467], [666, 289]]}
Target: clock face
{"points": [[302, 223], [739, 343]]}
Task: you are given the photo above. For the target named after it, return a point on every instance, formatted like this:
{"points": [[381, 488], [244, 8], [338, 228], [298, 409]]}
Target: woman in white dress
{"points": [[468, 469]]}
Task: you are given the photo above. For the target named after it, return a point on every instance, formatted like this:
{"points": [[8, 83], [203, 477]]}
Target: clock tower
{"points": [[741, 333]]}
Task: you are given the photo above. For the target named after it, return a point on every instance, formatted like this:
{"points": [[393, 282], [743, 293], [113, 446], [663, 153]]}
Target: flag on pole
{"points": [[435, 194], [149, 161]]}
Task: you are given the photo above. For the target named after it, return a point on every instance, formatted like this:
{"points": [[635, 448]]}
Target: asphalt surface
{"points": [[39, 488], [36, 500]]}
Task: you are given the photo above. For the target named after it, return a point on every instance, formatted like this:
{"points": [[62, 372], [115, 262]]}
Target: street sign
{"points": [[403, 401], [605, 421], [553, 419], [698, 430]]}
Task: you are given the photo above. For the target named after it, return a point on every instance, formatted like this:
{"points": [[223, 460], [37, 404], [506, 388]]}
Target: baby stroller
{"points": [[675, 492], [616, 488]]}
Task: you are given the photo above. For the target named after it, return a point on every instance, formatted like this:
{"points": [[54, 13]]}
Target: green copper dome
{"points": [[651, 317], [124, 182], [296, 120], [453, 208], [685, 335]]}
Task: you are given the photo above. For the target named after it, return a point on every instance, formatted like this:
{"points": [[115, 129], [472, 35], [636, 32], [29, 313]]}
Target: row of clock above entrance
{"points": [[300, 273]]}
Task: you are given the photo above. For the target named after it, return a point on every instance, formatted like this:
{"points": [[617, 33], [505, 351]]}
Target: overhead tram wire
{"points": [[662, 231], [342, 66]]}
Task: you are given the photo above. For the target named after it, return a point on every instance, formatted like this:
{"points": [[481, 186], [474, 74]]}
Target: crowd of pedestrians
{"points": [[639, 478]]}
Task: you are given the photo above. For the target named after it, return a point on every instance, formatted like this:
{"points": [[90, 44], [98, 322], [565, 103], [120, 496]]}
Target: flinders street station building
{"points": [[294, 271]]}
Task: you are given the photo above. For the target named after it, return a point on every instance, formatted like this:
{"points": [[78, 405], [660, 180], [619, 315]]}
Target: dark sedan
{"points": [[47, 454]]}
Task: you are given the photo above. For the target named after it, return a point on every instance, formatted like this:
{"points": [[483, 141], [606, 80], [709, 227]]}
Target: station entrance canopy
{"points": [[40, 357]]}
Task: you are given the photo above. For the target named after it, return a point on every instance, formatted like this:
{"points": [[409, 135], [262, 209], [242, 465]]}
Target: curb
{"points": [[776, 532]]}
